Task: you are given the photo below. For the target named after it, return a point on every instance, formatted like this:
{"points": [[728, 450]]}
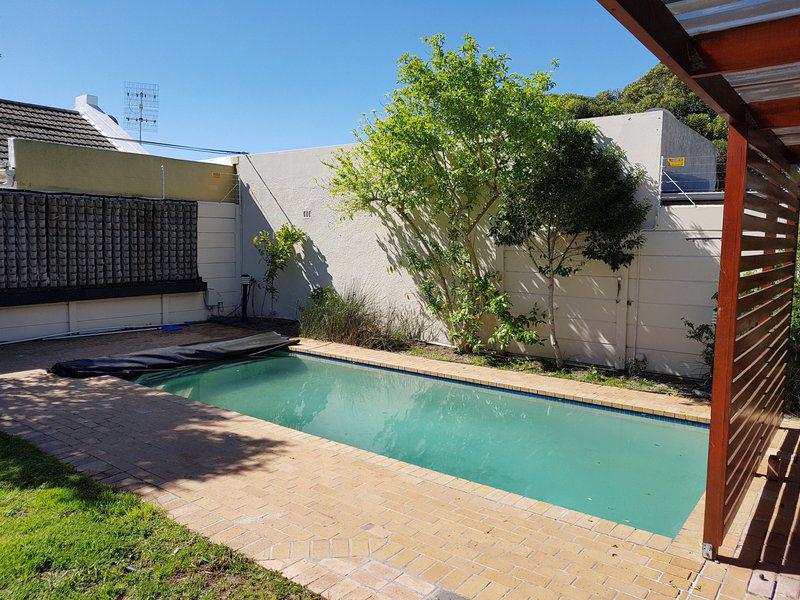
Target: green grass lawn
{"points": [[62, 535]]}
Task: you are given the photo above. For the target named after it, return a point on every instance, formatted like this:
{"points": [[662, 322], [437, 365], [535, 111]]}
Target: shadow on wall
{"points": [[308, 271], [400, 239], [649, 188]]}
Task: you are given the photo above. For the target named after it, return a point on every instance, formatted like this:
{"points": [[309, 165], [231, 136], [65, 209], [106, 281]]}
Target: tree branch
{"points": [[443, 279]]}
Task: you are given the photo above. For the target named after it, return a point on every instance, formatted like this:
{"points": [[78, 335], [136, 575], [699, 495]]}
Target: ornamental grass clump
{"points": [[356, 317]]}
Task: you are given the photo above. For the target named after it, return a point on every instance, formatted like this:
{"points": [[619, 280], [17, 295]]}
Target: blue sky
{"points": [[263, 76]]}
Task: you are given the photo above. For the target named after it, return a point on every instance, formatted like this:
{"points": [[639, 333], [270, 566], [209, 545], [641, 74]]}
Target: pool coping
{"points": [[673, 408]]}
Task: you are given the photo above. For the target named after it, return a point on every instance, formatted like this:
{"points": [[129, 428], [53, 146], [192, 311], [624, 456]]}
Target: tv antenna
{"points": [[141, 107]]}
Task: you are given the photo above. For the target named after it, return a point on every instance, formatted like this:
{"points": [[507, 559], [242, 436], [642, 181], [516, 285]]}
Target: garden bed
{"points": [[652, 382]]}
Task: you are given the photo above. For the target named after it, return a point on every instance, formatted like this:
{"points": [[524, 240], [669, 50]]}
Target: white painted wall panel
{"points": [[207, 255], [19, 322], [685, 293], [592, 309], [32, 330], [218, 265], [577, 286], [678, 268], [224, 239], [16, 316]]}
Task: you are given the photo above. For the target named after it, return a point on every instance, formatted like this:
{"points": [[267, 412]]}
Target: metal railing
{"points": [[691, 175]]}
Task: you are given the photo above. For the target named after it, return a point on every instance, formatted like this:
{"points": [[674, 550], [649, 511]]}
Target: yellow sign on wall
{"points": [[677, 161]]}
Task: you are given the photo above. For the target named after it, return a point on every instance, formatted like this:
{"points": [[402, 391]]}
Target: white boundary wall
{"points": [[340, 251], [610, 318], [218, 264], [606, 318]]}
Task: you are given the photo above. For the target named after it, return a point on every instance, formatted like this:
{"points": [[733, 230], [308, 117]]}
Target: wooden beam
{"points": [[721, 393], [657, 28], [754, 46], [771, 114]]}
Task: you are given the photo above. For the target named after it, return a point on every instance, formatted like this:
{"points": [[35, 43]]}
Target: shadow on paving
{"points": [[772, 541], [105, 426], [42, 354]]}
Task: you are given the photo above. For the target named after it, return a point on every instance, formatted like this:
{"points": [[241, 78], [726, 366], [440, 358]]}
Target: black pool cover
{"points": [[173, 356]]}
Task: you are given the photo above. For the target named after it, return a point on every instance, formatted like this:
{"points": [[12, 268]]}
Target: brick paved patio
{"points": [[351, 524]]}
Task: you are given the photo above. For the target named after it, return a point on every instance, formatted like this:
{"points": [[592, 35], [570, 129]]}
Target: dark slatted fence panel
{"points": [[57, 241], [757, 275]]}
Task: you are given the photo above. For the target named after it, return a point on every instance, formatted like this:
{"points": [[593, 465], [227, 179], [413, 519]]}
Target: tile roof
{"points": [[48, 124]]}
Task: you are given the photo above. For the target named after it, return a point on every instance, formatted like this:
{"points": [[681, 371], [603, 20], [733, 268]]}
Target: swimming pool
{"points": [[646, 472]]}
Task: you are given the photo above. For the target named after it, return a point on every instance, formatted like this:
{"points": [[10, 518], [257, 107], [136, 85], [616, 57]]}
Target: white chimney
{"points": [[89, 106]]}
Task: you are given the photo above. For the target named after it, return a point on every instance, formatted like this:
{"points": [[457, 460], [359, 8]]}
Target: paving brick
{"points": [[355, 525], [341, 589], [473, 586]]}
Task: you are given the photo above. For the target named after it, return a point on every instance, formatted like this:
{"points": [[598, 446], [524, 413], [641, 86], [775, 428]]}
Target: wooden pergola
{"points": [[743, 59]]}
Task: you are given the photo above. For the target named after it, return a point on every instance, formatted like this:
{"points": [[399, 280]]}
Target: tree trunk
{"points": [[551, 319], [457, 338]]}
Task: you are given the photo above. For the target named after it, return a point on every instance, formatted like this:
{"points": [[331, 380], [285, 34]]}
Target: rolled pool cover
{"points": [[158, 359]]}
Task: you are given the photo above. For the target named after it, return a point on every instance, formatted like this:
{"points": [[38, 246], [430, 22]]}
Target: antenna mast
{"points": [[141, 107]]}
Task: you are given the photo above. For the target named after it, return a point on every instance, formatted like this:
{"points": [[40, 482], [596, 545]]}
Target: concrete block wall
{"points": [[606, 318], [609, 318], [673, 277], [218, 265], [586, 303]]}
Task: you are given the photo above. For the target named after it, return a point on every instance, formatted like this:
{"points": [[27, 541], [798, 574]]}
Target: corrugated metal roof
{"points": [[46, 123], [778, 82], [700, 16], [767, 84]]}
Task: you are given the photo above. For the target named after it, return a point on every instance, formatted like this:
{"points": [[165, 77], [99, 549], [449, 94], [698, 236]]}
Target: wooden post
{"points": [[735, 177]]}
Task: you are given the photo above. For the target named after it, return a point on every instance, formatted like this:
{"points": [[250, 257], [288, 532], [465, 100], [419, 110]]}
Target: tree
{"points": [[276, 250], [576, 201], [438, 161], [658, 88]]}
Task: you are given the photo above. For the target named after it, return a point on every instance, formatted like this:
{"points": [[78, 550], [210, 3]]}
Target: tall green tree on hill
{"points": [[658, 88]]}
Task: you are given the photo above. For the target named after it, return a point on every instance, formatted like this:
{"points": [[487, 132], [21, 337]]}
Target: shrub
{"points": [[355, 317], [702, 334], [276, 250]]}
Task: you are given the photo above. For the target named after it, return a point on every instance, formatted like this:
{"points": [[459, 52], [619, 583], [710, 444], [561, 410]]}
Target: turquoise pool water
{"points": [[645, 472]]}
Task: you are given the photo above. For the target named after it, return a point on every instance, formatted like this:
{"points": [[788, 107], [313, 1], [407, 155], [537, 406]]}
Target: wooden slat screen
{"points": [[757, 274]]}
